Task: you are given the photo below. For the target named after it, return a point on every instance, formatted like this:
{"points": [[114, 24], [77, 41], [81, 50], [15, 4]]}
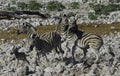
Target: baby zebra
{"points": [[45, 42], [19, 55]]}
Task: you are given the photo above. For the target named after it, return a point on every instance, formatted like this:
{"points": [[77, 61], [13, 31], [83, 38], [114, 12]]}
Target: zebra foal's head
{"points": [[25, 28]]}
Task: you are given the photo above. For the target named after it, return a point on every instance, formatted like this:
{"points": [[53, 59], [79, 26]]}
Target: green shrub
{"points": [[92, 16], [84, 1], [22, 5], [11, 8], [55, 6], [74, 5], [102, 9], [33, 5], [98, 8]]}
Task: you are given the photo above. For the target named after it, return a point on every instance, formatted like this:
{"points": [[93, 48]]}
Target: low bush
{"points": [[55, 6]]}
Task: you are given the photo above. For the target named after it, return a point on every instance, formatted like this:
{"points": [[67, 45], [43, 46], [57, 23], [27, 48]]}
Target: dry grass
{"points": [[101, 29]]}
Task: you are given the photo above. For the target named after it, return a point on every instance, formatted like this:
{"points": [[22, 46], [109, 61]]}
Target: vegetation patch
{"points": [[105, 9], [55, 6], [74, 5], [92, 16]]}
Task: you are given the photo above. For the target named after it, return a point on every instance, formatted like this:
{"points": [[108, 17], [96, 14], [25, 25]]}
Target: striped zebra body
{"points": [[91, 40], [76, 38], [52, 38], [83, 41], [45, 42], [28, 29]]}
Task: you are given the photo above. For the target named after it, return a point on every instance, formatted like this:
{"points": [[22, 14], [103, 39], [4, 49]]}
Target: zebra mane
{"points": [[30, 26]]}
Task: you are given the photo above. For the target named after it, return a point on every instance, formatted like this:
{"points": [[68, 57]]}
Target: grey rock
{"points": [[49, 69], [59, 68]]}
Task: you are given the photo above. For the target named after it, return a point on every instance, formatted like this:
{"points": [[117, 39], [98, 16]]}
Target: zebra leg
{"points": [[36, 62], [85, 52], [37, 58], [47, 61], [84, 57], [68, 49], [56, 50], [46, 57], [67, 46], [95, 51], [111, 51], [17, 62], [27, 61], [73, 52], [61, 51]]}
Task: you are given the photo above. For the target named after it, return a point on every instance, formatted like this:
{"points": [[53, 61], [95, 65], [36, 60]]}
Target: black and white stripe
{"points": [[45, 42], [28, 29], [63, 23], [82, 40]]}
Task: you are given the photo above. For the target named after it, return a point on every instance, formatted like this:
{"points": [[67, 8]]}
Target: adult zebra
{"points": [[44, 43], [76, 38]]}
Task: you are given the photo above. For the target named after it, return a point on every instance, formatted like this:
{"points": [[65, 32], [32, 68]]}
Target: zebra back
{"points": [[91, 40], [30, 30], [51, 37]]}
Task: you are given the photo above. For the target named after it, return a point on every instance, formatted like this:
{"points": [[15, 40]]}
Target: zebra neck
{"points": [[79, 34]]}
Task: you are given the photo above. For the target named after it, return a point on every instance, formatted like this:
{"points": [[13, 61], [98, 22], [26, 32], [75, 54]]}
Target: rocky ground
{"points": [[108, 66]]}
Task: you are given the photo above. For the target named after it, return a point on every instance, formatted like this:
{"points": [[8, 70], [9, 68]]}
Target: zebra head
{"points": [[64, 23], [26, 28], [73, 19], [73, 27]]}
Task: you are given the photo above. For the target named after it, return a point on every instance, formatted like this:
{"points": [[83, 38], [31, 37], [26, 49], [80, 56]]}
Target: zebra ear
{"points": [[77, 16]]}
